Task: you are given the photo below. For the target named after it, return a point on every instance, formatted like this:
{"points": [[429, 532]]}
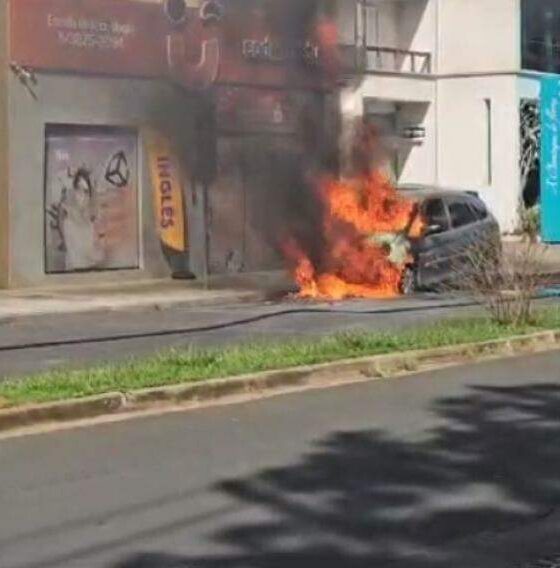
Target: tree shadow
{"points": [[368, 499]]}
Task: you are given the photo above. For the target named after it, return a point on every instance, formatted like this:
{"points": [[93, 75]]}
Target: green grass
{"points": [[182, 366]]}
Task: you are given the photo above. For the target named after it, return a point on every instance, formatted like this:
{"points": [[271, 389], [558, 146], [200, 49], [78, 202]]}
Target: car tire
{"points": [[408, 281]]}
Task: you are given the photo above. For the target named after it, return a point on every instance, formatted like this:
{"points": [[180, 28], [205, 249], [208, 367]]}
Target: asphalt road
{"points": [[95, 336], [459, 467]]}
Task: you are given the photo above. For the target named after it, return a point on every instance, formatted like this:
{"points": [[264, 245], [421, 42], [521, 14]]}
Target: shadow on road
{"points": [[366, 499]]}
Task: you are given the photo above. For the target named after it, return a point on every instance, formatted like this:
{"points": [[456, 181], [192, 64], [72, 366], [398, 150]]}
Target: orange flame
{"points": [[360, 217]]}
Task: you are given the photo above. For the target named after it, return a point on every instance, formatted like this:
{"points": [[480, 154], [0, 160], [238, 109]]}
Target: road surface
{"points": [[456, 468]]}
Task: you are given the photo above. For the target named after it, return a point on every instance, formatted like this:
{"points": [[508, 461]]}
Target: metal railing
{"points": [[394, 60]]}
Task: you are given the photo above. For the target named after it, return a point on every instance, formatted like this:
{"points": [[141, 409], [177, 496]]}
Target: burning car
{"points": [[455, 223], [368, 238]]}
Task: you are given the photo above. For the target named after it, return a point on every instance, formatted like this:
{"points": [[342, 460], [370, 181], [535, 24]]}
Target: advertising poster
{"points": [[168, 191], [91, 199], [550, 159]]}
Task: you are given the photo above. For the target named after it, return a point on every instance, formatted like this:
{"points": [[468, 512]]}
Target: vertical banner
{"points": [[91, 199], [550, 159], [168, 191]]}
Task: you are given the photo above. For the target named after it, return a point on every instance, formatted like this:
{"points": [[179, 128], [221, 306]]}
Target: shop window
{"points": [[91, 199], [541, 35]]}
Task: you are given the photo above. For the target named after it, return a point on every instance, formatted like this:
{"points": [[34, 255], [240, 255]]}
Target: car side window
{"points": [[461, 214], [436, 214], [479, 209]]}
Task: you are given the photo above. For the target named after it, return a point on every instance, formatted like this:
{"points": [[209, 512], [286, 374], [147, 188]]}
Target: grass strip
{"points": [[196, 364]]}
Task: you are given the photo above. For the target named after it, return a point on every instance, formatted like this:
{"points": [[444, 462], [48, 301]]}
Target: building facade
{"points": [[458, 82], [145, 139]]}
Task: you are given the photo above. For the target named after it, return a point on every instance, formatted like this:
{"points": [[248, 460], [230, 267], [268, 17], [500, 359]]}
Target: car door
{"points": [[434, 250], [467, 234], [488, 228]]}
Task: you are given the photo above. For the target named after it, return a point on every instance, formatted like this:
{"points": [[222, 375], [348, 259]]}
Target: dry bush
{"points": [[529, 222], [504, 283]]}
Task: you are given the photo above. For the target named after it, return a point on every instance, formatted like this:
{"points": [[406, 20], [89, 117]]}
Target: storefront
{"points": [[148, 140]]}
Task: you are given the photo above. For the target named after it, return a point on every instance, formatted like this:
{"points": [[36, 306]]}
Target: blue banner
{"points": [[550, 159]]}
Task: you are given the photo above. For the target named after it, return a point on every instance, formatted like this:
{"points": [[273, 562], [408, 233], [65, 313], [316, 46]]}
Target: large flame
{"points": [[366, 227]]}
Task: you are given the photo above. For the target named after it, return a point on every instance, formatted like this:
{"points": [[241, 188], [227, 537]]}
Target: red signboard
{"points": [[96, 36], [134, 38]]}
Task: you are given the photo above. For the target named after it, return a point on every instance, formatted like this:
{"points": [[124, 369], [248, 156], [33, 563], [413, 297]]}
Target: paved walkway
{"points": [[161, 294], [146, 294], [548, 257]]}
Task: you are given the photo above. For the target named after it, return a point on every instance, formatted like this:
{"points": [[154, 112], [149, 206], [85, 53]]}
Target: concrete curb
{"points": [[271, 382]]}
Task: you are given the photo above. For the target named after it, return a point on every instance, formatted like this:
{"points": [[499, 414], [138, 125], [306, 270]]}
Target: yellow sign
{"points": [[168, 192]]}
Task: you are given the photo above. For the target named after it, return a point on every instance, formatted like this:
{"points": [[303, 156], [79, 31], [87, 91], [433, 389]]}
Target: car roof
{"points": [[419, 192]]}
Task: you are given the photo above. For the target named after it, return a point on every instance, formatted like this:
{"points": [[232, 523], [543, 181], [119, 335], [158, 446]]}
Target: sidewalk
{"points": [[548, 258], [156, 294], [164, 294]]}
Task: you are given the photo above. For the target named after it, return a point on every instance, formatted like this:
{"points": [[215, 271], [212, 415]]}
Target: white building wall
{"points": [[346, 21], [414, 100], [464, 161], [529, 86], [417, 24], [478, 36], [397, 87], [417, 160], [476, 51], [388, 24]]}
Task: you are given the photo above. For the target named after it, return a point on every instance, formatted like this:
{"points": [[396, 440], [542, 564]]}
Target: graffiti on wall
{"points": [[530, 136], [91, 202]]}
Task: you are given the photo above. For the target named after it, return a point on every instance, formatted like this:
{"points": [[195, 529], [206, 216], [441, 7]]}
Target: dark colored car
{"points": [[457, 222]]}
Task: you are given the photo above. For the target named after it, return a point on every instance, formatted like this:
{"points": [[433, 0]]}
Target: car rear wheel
{"points": [[408, 281]]}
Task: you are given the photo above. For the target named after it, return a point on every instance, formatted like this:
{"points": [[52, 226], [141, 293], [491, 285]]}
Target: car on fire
{"points": [[455, 224]]}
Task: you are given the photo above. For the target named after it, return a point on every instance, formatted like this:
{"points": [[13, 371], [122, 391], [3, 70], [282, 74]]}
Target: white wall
{"points": [[416, 21], [477, 54], [388, 24], [417, 160], [455, 150], [477, 36], [346, 21], [406, 24], [397, 87], [529, 87], [415, 101], [462, 141]]}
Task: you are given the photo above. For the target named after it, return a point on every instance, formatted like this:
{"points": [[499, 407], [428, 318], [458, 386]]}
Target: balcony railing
{"points": [[394, 60]]}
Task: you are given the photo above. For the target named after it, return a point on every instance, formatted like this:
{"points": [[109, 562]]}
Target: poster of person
{"points": [[91, 199]]}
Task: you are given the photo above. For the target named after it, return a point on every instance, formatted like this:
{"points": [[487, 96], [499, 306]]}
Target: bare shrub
{"points": [[505, 283], [529, 222]]}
